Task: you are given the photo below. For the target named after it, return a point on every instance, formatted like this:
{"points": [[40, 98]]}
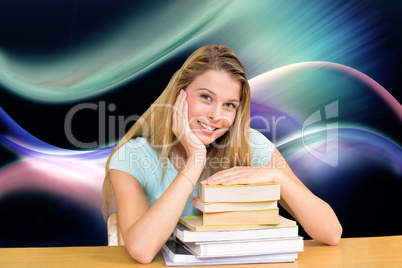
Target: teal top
{"points": [[138, 159]]}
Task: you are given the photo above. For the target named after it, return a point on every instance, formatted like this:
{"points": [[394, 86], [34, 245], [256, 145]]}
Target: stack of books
{"points": [[239, 224], [239, 204]]}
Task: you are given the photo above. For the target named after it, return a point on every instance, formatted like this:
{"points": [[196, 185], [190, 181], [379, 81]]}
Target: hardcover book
{"points": [[246, 247], [267, 216], [240, 192], [195, 223], [282, 230], [176, 254], [207, 207]]}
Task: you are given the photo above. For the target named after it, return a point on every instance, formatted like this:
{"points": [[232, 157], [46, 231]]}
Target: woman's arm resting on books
{"points": [[145, 229], [316, 216]]}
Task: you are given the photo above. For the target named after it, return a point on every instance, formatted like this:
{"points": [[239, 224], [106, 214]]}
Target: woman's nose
{"points": [[214, 113]]}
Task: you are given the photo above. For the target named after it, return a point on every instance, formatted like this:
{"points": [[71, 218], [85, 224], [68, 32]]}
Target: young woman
{"points": [[198, 131]]}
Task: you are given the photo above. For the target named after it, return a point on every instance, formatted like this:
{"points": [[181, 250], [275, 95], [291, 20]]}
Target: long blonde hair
{"points": [[233, 145]]}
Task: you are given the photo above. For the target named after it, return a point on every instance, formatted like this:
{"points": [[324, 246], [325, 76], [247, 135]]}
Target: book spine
{"points": [[265, 217]]}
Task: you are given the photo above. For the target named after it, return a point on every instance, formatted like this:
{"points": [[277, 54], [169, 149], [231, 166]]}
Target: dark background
{"points": [[38, 31]]}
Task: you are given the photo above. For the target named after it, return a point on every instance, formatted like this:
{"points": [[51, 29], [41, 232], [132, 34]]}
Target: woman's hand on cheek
{"points": [[181, 127], [244, 175]]}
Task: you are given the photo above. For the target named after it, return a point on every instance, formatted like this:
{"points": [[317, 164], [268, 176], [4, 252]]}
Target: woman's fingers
{"points": [[241, 175], [178, 118], [185, 109], [181, 126], [229, 180], [221, 176], [182, 109]]}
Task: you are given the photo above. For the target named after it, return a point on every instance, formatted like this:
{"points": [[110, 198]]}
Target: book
{"points": [[245, 247], [267, 216], [195, 223], [240, 192], [281, 230], [207, 207], [175, 254]]}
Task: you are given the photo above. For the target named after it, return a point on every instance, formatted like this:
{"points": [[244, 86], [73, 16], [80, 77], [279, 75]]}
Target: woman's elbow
{"points": [[330, 236], [141, 254], [333, 241], [335, 236]]}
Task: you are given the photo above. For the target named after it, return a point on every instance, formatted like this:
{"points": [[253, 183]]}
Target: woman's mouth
{"points": [[207, 128]]}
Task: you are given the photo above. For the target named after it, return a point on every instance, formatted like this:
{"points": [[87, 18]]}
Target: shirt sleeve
{"points": [[261, 148], [129, 157]]}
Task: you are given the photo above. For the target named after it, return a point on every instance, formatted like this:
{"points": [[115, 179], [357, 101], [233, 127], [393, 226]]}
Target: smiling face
{"points": [[213, 98]]}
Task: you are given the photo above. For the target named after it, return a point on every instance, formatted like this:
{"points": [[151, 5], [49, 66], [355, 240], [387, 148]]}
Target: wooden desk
{"points": [[351, 252]]}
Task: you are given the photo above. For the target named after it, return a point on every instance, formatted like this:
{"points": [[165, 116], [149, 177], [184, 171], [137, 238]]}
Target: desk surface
{"points": [[351, 252]]}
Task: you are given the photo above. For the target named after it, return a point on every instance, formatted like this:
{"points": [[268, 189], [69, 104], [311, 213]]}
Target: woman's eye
{"points": [[230, 105], [206, 97]]}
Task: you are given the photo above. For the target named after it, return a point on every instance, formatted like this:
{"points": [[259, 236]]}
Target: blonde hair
{"points": [[233, 145]]}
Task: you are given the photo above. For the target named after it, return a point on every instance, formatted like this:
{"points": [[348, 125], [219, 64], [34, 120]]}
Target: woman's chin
{"points": [[208, 139], [206, 142]]}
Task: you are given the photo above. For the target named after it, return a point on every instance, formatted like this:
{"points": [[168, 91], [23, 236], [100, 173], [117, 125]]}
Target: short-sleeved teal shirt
{"points": [[138, 159]]}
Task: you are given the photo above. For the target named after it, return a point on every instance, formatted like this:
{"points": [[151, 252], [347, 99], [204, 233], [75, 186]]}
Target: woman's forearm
{"points": [[316, 216], [148, 235]]}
